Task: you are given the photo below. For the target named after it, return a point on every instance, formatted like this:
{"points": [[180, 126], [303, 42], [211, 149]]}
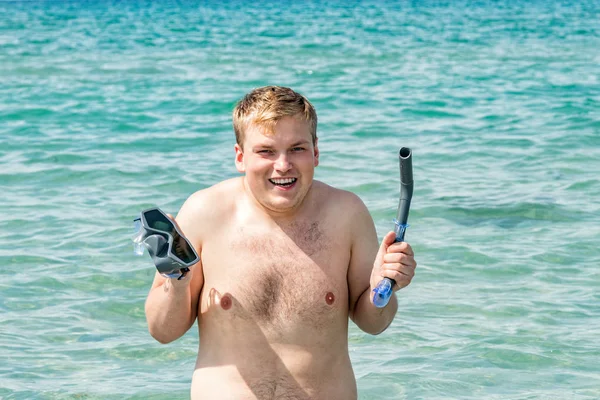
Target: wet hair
{"points": [[266, 105]]}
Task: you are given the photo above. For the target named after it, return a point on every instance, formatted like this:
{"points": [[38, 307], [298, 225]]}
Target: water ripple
{"points": [[112, 107]]}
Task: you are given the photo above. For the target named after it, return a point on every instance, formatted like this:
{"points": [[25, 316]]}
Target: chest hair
{"points": [[284, 275]]}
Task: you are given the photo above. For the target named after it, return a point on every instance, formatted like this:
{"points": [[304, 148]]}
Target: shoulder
{"points": [[214, 198], [344, 211], [339, 200], [205, 209]]}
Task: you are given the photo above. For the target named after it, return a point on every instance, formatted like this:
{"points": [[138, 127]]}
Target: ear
{"points": [[239, 158], [316, 152]]}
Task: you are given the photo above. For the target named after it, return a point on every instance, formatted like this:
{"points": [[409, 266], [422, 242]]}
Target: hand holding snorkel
{"points": [[384, 290]]}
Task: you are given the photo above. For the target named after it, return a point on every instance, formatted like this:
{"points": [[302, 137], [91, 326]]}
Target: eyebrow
{"points": [[270, 145], [300, 143]]}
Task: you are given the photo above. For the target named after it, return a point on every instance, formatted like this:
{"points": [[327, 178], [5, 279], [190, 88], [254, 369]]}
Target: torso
{"points": [[273, 312]]}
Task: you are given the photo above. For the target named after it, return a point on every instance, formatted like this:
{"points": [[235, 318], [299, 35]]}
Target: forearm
{"points": [[169, 311], [371, 319]]}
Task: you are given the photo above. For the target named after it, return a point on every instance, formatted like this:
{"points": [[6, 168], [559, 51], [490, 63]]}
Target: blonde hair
{"points": [[266, 105]]}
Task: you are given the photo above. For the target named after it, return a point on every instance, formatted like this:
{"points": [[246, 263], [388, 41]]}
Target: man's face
{"points": [[279, 167]]}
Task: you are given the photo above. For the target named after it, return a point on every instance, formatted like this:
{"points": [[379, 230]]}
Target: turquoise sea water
{"points": [[109, 107]]}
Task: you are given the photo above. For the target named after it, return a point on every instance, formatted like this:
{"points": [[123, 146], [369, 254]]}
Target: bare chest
{"points": [[280, 278]]}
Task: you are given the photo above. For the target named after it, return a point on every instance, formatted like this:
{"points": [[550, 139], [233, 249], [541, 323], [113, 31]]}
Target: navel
{"points": [[329, 298], [226, 302]]}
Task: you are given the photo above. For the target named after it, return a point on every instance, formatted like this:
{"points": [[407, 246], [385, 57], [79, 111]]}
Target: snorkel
{"points": [[383, 291]]}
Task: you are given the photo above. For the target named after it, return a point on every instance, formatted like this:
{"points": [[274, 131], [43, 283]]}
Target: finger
{"points": [[400, 285], [402, 280], [387, 241], [398, 269], [399, 263], [400, 258], [178, 283], [401, 247]]}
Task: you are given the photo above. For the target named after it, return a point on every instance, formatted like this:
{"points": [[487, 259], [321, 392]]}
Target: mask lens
{"points": [[181, 249], [156, 220]]}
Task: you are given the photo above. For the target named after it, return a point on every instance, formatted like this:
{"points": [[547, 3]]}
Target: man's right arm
{"points": [[172, 305]]}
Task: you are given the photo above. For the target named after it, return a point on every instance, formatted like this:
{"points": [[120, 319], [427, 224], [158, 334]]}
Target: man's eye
{"points": [[298, 149], [264, 151]]}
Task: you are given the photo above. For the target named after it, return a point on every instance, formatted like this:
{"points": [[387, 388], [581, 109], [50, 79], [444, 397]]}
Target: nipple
{"points": [[329, 298], [215, 298], [226, 302]]}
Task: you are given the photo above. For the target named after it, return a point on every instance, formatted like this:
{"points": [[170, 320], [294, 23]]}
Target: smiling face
{"points": [[279, 167]]}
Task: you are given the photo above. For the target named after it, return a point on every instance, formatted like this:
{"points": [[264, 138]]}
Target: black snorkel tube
{"points": [[383, 291]]}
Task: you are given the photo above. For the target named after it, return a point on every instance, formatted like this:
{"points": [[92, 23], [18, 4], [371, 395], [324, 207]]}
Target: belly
{"points": [[284, 373]]}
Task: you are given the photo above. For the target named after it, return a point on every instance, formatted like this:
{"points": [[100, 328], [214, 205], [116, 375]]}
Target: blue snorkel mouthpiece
{"points": [[383, 291]]}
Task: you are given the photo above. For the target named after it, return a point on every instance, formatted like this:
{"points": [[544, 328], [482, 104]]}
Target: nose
{"points": [[283, 163]]}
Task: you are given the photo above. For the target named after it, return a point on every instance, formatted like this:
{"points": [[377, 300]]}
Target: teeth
{"points": [[283, 181]]}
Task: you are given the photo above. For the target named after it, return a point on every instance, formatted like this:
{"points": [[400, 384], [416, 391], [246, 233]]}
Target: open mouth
{"points": [[283, 182]]}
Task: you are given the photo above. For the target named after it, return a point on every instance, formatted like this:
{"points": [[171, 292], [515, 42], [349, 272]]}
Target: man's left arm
{"points": [[369, 264]]}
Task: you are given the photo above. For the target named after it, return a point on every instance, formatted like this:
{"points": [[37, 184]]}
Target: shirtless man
{"points": [[285, 261]]}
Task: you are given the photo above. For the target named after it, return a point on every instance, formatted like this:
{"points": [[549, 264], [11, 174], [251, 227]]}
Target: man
{"points": [[285, 260]]}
